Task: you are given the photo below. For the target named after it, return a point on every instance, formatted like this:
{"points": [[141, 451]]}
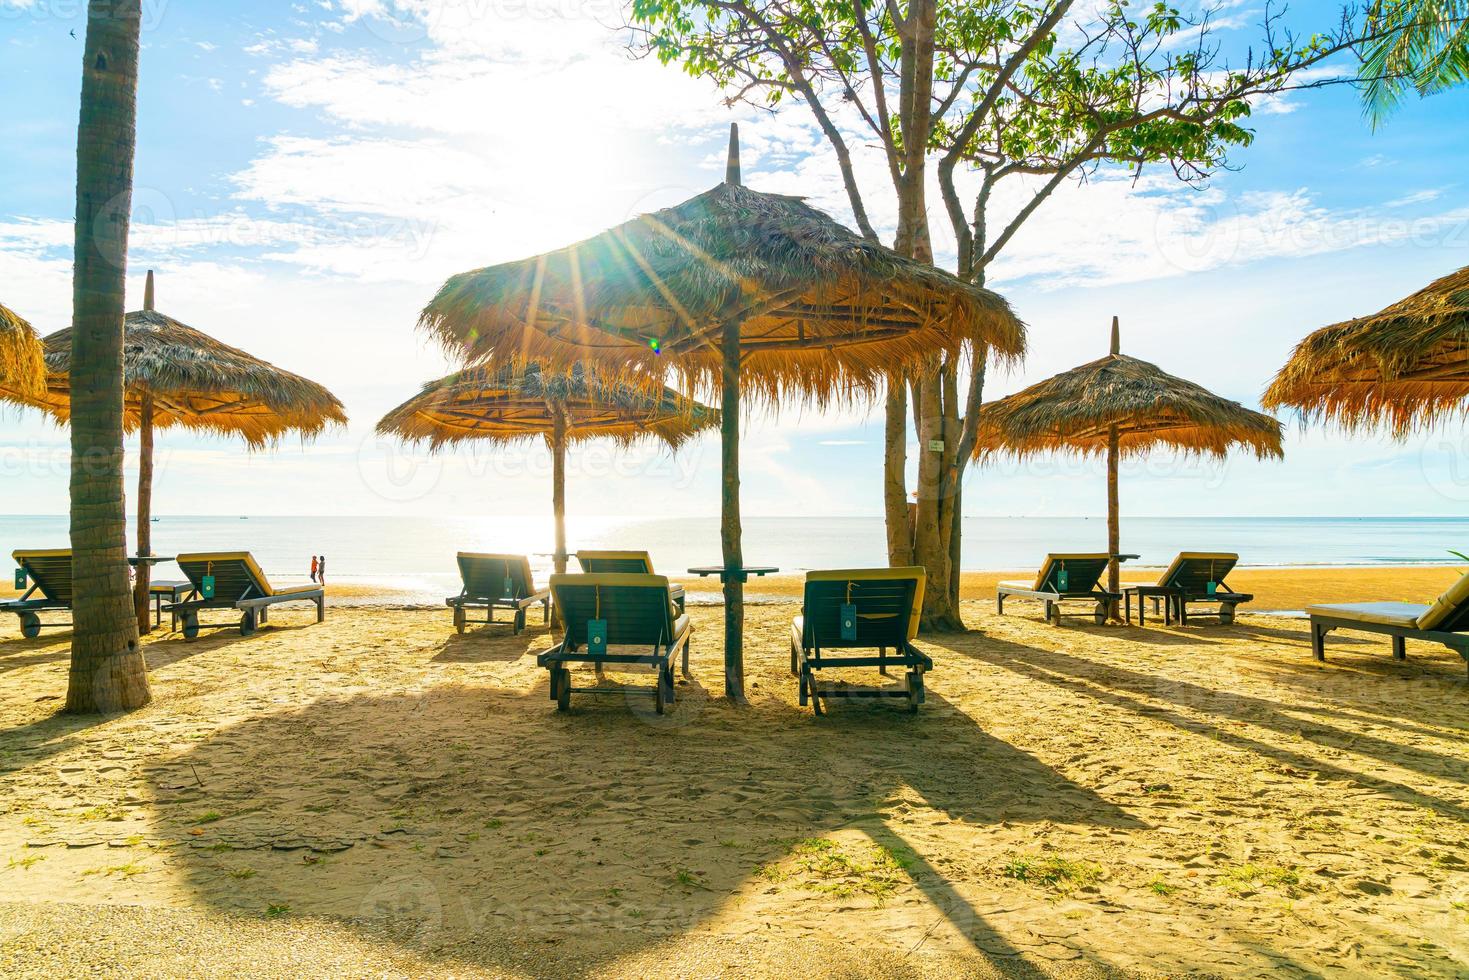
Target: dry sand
{"points": [[376, 795]]}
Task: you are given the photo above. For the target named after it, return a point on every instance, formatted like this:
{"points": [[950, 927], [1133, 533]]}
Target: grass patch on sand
{"points": [[823, 865], [1244, 879], [209, 817], [1053, 872], [27, 861]]}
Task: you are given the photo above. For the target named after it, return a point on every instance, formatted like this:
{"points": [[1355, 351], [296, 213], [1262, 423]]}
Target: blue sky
{"points": [[308, 173]]}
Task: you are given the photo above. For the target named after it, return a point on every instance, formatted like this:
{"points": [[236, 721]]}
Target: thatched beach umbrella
{"points": [[508, 405], [1121, 406], [177, 376], [733, 290], [22, 369], [1402, 367]]}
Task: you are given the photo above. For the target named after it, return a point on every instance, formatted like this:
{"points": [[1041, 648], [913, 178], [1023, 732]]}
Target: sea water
{"points": [[413, 557]]}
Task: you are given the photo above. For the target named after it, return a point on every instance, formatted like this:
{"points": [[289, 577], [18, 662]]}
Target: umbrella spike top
{"points": [[732, 163], [511, 404], [824, 314], [148, 292], [1402, 367], [1116, 337], [1077, 410], [197, 382]]}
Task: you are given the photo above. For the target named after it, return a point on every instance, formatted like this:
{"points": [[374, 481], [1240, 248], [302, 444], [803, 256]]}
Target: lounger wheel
{"points": [[30, 625], [1099, 616], [247, 623], [191, 625], [795, 669], [1053, 613], [460, 619], [1226, 614], [519, 621], [561, 686]]}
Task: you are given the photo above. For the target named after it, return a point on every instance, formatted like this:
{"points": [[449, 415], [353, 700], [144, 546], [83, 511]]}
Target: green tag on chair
{"points": [[20, 579], [206, 586], [597, 637], [507, 588], [1063, 580], [1211, 587], [849, 620]]}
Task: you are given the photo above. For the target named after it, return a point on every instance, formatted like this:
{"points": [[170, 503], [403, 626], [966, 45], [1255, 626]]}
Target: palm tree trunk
{"points": [[142, 576], [729, 524], [894, 474], [107, 670]]}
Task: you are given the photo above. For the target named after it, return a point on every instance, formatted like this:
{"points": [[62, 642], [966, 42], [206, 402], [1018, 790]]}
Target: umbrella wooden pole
{"points": [[729, 525], [142, 576], [1114, 531], [558, 484]]}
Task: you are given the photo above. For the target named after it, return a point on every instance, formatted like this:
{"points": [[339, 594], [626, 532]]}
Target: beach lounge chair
{"points": [[607, 610], [1446, 621], [497, 582], [237, 583], [860, 608], [48, 574], [1065, 578], [634, 562], [1193, 577]]}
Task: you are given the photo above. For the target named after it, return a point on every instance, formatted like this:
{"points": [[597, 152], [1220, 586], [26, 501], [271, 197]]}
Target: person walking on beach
{"points": [[321, 570], [313, 568]]}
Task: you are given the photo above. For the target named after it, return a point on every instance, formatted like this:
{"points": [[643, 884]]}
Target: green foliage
{"points": [[1053, 872], [1014, 92], [1416, 45]]}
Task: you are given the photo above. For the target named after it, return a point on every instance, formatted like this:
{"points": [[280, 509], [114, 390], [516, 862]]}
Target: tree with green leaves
{"points": [[1421, 45], [980, 95]]}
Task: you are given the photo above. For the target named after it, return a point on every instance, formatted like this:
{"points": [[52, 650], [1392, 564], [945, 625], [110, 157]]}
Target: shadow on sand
{"points": [[453, 818]]}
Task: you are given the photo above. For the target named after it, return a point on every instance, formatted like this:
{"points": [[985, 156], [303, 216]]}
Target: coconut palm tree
{"points": [[1420, 44], [107, 669]]}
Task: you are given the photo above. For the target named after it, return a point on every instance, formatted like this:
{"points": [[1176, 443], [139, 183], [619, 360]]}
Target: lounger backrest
{"points": [[485, 575], [636, 607], [1450, 611], [50, 569], [1083, 571], [1192, 571], [236, 575], [888, 602], [633, 562]]}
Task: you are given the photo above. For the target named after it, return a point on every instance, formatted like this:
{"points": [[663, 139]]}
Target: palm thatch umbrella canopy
{"points": [[1403, 367], [177, 376], [508, 405], [22, 369], [1121, 406], [733, 289]]}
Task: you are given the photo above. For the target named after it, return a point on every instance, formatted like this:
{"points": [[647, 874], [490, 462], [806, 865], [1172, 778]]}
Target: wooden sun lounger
{"points": [[48, 572], [637, 612], [239, 584], [884, 606], [632, 562], [1186, 581], [497, 582], [1084, 572], [1445, 622]]}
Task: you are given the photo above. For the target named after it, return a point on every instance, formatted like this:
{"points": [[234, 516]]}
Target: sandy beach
{"points": [[377, 795]]}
